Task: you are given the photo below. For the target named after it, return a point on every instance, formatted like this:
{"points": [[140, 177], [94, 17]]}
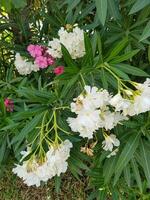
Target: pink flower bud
{"points": [[59, 70], [9, 105]]}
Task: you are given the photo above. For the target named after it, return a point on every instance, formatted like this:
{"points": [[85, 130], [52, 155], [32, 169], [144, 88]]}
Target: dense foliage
{"points": [[36, 105]]}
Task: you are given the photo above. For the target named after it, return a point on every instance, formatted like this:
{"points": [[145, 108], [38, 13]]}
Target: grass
{"points": [[12, 188]]}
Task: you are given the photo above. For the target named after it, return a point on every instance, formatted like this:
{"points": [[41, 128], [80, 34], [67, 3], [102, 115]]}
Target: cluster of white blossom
{"points": [[23, 66], [93, 112], [98, 109], [33, 171], [72, 40], [138, 101]]}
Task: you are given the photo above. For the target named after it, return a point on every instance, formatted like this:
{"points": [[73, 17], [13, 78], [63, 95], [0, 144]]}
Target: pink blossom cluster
{"points": [[42, 58], [9, 105]]}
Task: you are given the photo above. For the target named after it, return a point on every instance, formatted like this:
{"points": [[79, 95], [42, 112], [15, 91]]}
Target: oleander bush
{"points": [[75, 93]]}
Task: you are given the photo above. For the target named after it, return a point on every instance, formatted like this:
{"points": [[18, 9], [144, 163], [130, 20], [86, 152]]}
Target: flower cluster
{"points": [[98, 109], [93, 112], [33, 171], [24, 66], [72, 40], [42, 58], [133, 102]]}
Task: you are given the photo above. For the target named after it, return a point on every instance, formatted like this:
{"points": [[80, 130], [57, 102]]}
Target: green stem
{"points": [[82, 79]]}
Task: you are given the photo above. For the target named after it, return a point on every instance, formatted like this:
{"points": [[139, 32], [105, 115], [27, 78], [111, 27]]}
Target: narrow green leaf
{"points": [[67, 57], [113, 8], [138, 5], [149, 53], [88, 58], [127, 152], [127, 175], [3, 149], [117, 49], [27, 129], [108, 169], [99, 44], [145, 160], [124, 57], [103, 79], [86, 10], [146, 32], [136, 174], [69, 85], [130, 69], [101, 6], [120, 73], [73, 5], [57, 183]]}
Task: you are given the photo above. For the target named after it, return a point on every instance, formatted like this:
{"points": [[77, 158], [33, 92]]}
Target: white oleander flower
{"points": [[109, 142], [33, 172], [55, 49], [142, 99], [78, 105], [96, 98], [119, 102], [85, 123], [57, 157], [73, 41], [91, 100], [23, 66], [110, 119]]}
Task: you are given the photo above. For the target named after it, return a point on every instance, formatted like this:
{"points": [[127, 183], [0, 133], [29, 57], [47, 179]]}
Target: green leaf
{"points": [[67, 87], [121, 45], [101, 6], [104, 79], [34, 95], [138, 5], [124, 57], [113, 8], [145, 160], [136, 174], [120, 73], [108, 169], [27, 129], [88, 58], [149, 53], [73, 5], [127, 153], [86, 10], [146, 32], [57, 183], [99, 44], [2, 107], [67, 57], [19, 3], [130, 69], [3, 149], [127, 175]]}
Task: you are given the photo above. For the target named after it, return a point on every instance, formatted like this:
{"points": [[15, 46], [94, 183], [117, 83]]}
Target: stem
{"points": [[82, 79]]}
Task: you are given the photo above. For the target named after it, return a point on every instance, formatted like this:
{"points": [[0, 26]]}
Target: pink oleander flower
{"points": [[50, 60], [9, 104], [41, 61], [35, 50], [59, 70]]}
